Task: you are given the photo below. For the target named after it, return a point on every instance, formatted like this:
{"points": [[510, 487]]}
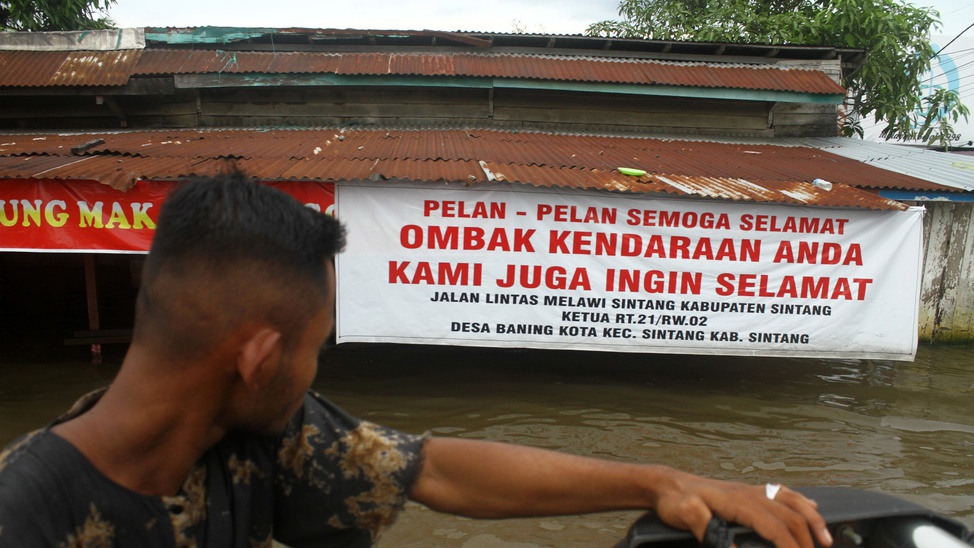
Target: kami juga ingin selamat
{"points": [[651, 281]]}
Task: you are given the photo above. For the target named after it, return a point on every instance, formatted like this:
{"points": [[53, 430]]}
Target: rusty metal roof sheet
{"points": [[114, 68], [661, 156], [935, 168], [758, 173], [493, 65], [67, 68]]}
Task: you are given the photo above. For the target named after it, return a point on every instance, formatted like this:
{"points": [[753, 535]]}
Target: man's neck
{"points": [[147, 434]]}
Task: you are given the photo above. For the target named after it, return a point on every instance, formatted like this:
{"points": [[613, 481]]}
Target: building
{"points": [[127, 110]]}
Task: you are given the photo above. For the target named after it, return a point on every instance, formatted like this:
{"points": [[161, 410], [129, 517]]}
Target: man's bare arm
{"points": [[494, 480]]}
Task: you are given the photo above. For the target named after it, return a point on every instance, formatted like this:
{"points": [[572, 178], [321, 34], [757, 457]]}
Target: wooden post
{"points": [[91, 287]]}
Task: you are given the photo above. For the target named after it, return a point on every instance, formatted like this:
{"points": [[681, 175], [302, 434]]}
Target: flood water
{"points": [[903, 428]]}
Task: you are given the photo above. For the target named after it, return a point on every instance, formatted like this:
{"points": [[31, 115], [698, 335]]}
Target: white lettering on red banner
{"points": [[543, 268]]}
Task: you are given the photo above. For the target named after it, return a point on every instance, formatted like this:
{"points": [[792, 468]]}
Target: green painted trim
{"points": [[674, 91], [208, 35], [190, 81], [329, 79]]}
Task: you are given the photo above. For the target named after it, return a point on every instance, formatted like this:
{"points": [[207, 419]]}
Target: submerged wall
{"points": [[947, 285]]}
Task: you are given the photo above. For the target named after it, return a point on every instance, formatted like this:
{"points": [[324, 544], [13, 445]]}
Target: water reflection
{"points": [[901, 428]]}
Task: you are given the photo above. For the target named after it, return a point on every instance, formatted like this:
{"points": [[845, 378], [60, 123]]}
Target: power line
{"points": [[948, 72], [954, 39], [958, 67], [966, 87], [961, 53]]}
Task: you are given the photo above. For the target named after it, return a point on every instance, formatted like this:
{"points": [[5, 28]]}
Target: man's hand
{"points": [[495, 480], [788, 521]]}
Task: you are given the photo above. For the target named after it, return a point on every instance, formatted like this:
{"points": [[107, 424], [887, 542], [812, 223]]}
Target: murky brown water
{"points": [[906, 429]]}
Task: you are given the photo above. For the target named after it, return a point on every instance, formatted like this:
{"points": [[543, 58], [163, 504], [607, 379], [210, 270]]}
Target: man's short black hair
{"points": [[226, 251]]}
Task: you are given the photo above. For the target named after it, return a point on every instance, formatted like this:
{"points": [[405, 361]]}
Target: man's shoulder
{"points": [[40, 445], [41, 452], [29, 487], [51, 495], [21, 451], [34, 465], [40, 469]]}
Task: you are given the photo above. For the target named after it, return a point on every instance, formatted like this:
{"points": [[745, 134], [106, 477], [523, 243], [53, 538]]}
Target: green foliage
{"points": [[896, 36], [49, 15], [944, 109]]}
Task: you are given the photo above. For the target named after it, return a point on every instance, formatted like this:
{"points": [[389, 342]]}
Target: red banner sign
{"points": [[48, 215]]}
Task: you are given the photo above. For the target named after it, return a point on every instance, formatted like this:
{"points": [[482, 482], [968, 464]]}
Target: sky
{"points": [[535, 16]]}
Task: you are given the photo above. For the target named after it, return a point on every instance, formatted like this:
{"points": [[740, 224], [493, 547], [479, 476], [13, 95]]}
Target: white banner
{"points": [[518, 266]]}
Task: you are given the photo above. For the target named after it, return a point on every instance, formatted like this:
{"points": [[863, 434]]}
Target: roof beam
{"points": [[113, 106]]}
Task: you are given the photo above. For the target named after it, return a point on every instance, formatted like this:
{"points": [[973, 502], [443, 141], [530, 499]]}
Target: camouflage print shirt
{"points": [[330, 480]]}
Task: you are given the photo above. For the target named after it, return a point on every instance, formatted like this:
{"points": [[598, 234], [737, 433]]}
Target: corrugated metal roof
{"points": [[562, 151], [113, 68], [951, 170], [764, 174], [74, 40], [493, 65], [943, 168], [67, 68]]}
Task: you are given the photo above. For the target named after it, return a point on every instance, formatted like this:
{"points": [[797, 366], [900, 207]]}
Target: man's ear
{"points": [[252, 360]]}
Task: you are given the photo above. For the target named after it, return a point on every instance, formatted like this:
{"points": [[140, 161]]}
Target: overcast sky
{"points": [[536, 16], [541, 16]]}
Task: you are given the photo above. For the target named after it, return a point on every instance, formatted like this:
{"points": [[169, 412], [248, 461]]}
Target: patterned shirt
{"points": [[329, 480]]}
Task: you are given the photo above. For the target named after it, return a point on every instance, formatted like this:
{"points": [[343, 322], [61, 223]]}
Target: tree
{"points": [[48, 15], [944, 109], [895, 35]]}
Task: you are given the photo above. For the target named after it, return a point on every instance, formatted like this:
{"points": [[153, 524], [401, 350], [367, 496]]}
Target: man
{"points": [[208, 435]]}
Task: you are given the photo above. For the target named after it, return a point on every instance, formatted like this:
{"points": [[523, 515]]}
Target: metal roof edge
{"points": [[693, 92], [205, 35], [224, 80], [229, 80], [215, 35], [81, 40], [913, 196]]}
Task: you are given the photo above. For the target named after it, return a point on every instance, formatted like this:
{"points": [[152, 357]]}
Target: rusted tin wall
{"points": [[947, 287]]}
